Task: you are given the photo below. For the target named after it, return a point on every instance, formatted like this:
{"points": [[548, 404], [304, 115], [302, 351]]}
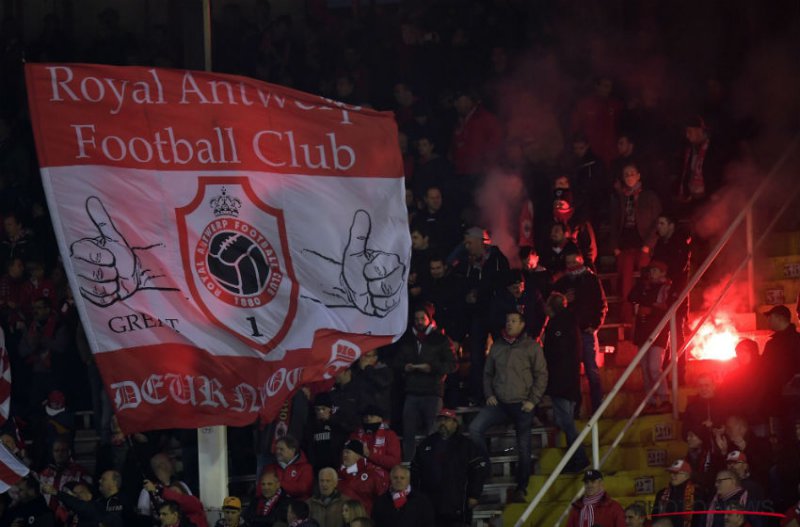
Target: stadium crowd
{"points": [[533, 153]]}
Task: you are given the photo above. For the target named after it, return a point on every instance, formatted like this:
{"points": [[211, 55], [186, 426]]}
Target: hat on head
{"points": [[55, 403], [680, 466], [324, 399], [592, 475], [355, 446], [232, 502], [447, 412], [737, 456], [372, 409], [781, 311]]}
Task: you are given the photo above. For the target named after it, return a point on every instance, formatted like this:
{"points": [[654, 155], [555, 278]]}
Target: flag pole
{"points": [[212, 441]]}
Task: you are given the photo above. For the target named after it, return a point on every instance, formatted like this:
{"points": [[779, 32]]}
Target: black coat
{"points": [[108, 511], [277, 515], [653, 299], [562, 350], [374, 386], [590, 306], [530, 305], [675, 252], [780, 362], [449, 471], [324, 442], [436, 350], [448, 295], [676, 503], [417, 511], [34, 513]]}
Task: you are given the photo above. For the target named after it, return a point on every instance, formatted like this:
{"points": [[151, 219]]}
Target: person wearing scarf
{"points": [[269, 507], [633, 231], [730, 496], [359, 479], [681, 495], [595, 507], [426, 357], [401, 506], [381, 444], [293, 469]]}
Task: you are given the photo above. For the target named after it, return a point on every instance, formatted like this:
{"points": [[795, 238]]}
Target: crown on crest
{"points": [[225, 205]]}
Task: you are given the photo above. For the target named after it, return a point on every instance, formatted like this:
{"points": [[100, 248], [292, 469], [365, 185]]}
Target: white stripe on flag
{"points": [[11, 469]]}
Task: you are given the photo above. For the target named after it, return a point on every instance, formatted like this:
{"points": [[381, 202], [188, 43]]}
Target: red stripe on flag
{"points": [[11, 469]]}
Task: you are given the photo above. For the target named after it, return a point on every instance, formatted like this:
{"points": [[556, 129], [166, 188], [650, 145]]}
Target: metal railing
{"points": [[746, 215]]}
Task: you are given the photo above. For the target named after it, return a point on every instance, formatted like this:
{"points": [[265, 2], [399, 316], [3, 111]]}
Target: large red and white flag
{"points": [[11, 469], [227, 239]]}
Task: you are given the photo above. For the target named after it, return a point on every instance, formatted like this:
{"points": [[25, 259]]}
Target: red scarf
{"points": [[269, 505], [375, 441], [688, 501], [424, 335], [401, 497]]}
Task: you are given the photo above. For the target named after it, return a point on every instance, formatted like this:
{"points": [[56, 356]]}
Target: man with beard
{"points": [[450, 471], [681, 495]]}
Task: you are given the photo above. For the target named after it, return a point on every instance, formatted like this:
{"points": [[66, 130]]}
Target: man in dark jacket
{"points": [[554, 253], [450, 471], [587, 301], [372, 380], [515, 296], [595, 507], [270, 504], [780, 361], [107, 510], [562, 351], [425, 359], [327, 433], [447, 292], [401, 506], [31, 509]]}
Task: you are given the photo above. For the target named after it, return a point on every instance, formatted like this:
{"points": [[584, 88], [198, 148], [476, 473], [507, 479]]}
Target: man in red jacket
{"points": [[359, 479], [477, 136], [595, 507], [381, 444], [293, 469]]}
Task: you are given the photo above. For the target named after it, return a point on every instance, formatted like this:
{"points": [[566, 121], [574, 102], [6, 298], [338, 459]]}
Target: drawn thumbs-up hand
{"points": [[369, 280], [374, 279], [107, 267]]}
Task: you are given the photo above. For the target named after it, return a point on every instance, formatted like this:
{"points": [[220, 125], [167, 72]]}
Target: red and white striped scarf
{"points": [[399, 498], [587, 511]]}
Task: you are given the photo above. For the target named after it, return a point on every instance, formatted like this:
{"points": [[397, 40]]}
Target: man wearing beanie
{"points": [[450, 471], [682, 495], [425, 359], [326, 434], [595, 507], [381, 444], [359, 479]]}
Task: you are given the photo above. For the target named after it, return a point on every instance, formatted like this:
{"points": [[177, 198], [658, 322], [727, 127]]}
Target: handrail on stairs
{"points": [[670, 317]]}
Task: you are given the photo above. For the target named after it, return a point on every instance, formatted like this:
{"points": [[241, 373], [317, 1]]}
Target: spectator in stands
{"points": [[562, 352], [360, 479], [626, 154], [60, 471], [737, 462], [589, 183], [293, 469], [514, 382], [595, 119], [163, 469], [785, 481], [77, 490], [14, 302], [579, 227], [729, 495], [420, 258], [231, 513], [633, 232], [169, 514], [700, 454], [780, 363], [513, 296], [298, 515], [55, 422], [30, 508], [553, 256], [673, 247], [45, 338], [373, 382], [482, 270], [706, 409], [326, 503], [737, 436], [447, 291], [381, 444], [442, 225], [741, 391], [424, 360], [108, 509], [345, 397], [432, 170], [653, 294], [450, 471], [595, 507], [635, 515], [587, 301], [327, 433], [402, 506], [351, 511], [18, 241], [537, 276], [682, 495], [733, 519], [190, 506], [477, 137], [270, 504], [701, 173]]}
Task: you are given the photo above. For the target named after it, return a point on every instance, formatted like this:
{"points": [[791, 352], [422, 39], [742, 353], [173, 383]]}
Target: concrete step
{"points": [[783, 243], [626, 458]]}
